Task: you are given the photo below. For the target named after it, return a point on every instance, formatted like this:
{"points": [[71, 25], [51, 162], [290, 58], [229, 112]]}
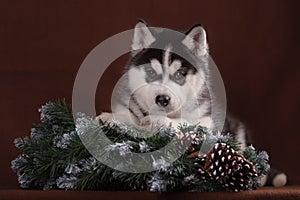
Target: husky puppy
{"points": [[161, 87]]}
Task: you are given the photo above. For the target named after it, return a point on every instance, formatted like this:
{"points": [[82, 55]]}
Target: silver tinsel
{"points": [[24, 180], [123, 147], [19, 142], [84, 124], [50, 185], [169, 130], [73, 169], [88, 164], [156, 184], [64, 140], [43, 112], [160, 164], [16, 163], [190, 179], [144, 147], [66, 182], [34, 133]]}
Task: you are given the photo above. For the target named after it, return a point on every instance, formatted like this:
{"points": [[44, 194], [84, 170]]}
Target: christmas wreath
{"points": [[53, 157]]}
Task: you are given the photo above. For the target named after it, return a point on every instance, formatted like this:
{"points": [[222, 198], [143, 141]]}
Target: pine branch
{"points": [[54, 157]]}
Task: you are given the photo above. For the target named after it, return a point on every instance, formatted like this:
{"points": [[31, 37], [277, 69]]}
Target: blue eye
{"points": [[179, 75], [150, 72]]}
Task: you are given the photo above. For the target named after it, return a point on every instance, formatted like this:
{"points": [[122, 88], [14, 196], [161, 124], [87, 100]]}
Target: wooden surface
{"points": [[285, 193]]}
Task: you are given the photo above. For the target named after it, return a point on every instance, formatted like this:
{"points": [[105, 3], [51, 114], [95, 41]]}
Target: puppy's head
{"points": [[167, 71]]}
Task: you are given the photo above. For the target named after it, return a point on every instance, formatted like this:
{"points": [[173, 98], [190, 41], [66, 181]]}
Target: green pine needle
{"points": [[53, 157]]}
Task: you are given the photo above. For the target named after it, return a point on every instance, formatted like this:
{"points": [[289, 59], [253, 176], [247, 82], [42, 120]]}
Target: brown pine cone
{"points": [[223, 163]]}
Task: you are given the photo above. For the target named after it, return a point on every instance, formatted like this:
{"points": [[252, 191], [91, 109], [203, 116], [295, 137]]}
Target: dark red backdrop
{"points": [[254, 43]]}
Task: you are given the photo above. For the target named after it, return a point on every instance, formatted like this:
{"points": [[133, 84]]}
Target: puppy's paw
{"points": [[105, 117], [153, 122], [145, 121]]}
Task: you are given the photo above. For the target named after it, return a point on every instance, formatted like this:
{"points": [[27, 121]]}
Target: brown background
{"points": [[254, 43]]}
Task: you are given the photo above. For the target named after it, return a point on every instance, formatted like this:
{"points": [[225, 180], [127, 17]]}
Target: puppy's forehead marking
{"points": [[170, 65], [166, 60]]}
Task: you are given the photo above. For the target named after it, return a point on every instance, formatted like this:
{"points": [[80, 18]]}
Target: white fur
{"points": [[166, 59], [196, 41], [241, 137], [263, 180], [279, 180], [155, 64], [175, 65], [142, 37]]}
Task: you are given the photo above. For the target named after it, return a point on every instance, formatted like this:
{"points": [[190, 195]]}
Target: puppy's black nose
{"points": [[162, 100]]}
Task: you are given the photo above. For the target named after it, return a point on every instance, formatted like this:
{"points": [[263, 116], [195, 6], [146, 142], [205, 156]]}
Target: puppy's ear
{"points": [[142, 37], [196, 41]]}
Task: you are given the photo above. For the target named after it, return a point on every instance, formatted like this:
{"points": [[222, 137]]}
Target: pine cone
{"points": [[223, 163], [194, 149]]}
